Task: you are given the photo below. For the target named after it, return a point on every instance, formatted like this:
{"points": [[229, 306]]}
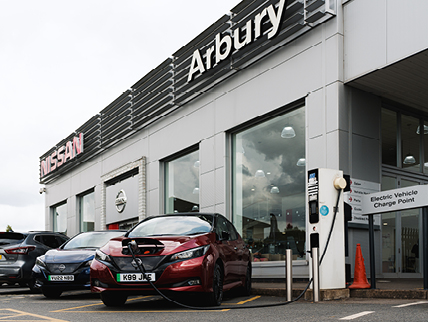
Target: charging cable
{"points": [[133, 245]]}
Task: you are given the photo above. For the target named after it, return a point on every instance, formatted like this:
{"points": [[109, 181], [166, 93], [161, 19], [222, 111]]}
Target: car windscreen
{"points": [[173, 226], [9, 238], [91, 239]]}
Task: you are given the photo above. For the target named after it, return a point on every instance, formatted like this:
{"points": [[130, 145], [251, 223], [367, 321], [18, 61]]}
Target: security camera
{"points": [[42, 190]]}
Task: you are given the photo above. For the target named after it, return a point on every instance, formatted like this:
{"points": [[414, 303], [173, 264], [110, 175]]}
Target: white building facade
{"points": [[232, 122]]}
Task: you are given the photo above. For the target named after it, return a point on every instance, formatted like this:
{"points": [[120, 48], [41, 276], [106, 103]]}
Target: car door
{"points": [[227, 249]]}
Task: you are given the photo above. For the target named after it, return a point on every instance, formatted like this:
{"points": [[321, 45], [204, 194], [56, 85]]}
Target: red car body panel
{"points": [[232, 255]]}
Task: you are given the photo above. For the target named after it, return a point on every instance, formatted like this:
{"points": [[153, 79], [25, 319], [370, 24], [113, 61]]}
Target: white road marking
{"points": [[409, 304], [354, 316]]}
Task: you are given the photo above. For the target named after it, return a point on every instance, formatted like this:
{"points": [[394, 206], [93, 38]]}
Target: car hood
{"points": [[165, 245], [69, 256]]}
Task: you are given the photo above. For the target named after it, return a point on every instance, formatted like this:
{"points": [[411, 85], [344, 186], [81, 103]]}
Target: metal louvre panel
{"points": [[166, 88]]}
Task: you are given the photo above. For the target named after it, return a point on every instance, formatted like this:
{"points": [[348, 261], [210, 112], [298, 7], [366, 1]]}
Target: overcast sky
{"points": [[63, 61]]}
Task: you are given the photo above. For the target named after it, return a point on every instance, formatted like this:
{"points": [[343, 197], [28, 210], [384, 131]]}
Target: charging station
{"points": [[325, 221]]}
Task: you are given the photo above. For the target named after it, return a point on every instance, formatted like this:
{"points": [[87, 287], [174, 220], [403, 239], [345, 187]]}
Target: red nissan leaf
{"points": [[190, 253]]}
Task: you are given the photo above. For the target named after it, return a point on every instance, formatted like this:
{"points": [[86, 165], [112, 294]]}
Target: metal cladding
{"points": [[251, 31]]}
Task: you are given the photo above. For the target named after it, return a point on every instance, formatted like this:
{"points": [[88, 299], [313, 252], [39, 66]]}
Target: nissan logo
{"points": [[120, 201], [61, 267]]}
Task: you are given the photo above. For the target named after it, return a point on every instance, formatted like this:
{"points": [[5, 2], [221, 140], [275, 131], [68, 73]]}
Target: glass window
{"points": [[425, 142], [60, 218], [87, 212], [389, 137], [410, 140], [269, 186], [182, 184]]}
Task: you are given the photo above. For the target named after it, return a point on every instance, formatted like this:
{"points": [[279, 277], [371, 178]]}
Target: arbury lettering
{"points": [[224, 44]]}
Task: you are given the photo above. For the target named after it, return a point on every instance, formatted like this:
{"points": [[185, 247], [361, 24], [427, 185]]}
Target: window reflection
{"points": [[60, 218], [269, 186], [87, 212], [182, 184]]}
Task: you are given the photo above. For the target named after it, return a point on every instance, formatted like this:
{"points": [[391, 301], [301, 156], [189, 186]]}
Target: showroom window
{"points": [[404, 144], [269, 186], [182, 183], [59, 214], [87, 211]]}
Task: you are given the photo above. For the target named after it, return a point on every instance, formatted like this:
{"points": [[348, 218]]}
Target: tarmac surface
{"points": [[404, 288]]}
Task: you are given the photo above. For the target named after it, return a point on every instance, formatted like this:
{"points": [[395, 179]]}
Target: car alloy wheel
{"points": [[216, 296]]}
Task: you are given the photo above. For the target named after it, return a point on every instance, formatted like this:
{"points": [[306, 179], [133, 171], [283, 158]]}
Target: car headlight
{"points": [[191, 253], [40, 262], [99, 255]]}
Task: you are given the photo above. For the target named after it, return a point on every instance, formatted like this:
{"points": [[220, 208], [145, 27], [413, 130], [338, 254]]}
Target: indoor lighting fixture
{"points": [[197, 164], [418, 130], [409, 159], [260, 174], [196, 191], [274, 189], [301, 162], [288, 132]]}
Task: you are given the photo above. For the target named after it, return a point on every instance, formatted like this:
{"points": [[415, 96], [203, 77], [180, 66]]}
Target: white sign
{"points": [[224, 44], [354, 198], [396, 199]]}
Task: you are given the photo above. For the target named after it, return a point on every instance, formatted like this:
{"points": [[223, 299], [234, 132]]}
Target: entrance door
{"points": [[401, 234]]}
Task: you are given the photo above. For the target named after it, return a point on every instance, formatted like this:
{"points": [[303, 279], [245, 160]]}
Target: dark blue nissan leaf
{"points": [[68, 267]]}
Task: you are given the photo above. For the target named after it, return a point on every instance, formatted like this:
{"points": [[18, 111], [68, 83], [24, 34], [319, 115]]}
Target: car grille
{"points": [[69, 268], [149, 262]]}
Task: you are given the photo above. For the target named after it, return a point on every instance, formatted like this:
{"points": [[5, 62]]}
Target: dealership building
{"points": [[233, 121]]}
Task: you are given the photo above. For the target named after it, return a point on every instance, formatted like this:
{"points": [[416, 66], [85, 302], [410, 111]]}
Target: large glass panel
{"points": [[388, 231], [60, 218], [410, 155], [87, 212], [425, 144], [269, 186], [389, 137], [409, 236], [182, 184]]}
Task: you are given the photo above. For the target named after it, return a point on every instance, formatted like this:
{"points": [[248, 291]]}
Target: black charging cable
{"points": [[147, 277]]}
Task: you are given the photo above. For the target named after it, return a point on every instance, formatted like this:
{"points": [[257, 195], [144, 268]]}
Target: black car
{"points": [[18, 253], [68, 267]]}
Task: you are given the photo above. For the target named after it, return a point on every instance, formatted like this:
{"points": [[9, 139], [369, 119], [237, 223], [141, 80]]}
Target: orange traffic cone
{"points": [[360, 278]]}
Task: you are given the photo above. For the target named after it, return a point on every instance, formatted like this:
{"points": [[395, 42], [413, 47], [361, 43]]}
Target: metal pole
{"points": [[425, 246], [289, 272], [316, 274], [372, 254]]}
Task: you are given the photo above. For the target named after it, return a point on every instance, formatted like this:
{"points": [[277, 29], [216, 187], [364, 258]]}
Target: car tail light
{"points": [[19, 250]]}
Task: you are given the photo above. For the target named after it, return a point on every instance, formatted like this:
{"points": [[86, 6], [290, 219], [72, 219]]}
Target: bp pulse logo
{"points": [[120, 201]]}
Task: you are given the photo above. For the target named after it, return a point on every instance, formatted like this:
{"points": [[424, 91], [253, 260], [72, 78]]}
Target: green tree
{"points": [[9, 229]]}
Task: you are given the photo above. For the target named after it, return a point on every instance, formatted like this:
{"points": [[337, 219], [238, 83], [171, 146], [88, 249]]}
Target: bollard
{"points": [[289, 273], [316, 274]]}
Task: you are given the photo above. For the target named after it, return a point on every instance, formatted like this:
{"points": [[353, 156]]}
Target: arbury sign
{"points": [[62, 155], [396, 199], [224, 44]]}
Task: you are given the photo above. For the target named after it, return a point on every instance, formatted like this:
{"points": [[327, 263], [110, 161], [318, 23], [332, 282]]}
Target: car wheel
{"points": [[216, 296], [32, 285], [113, 298], [246, 288], [51, 293]]}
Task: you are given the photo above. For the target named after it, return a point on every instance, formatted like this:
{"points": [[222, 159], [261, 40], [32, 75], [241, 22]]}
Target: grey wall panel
{"points": [[130, 186]]}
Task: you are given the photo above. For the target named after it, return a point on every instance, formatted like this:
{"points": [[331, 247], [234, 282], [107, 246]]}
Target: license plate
{"points": [[61, 278], [135, 277]]}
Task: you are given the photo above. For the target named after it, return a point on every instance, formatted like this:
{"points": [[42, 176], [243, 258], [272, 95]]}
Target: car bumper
{"points": [[194, 275], [81, 280]]}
